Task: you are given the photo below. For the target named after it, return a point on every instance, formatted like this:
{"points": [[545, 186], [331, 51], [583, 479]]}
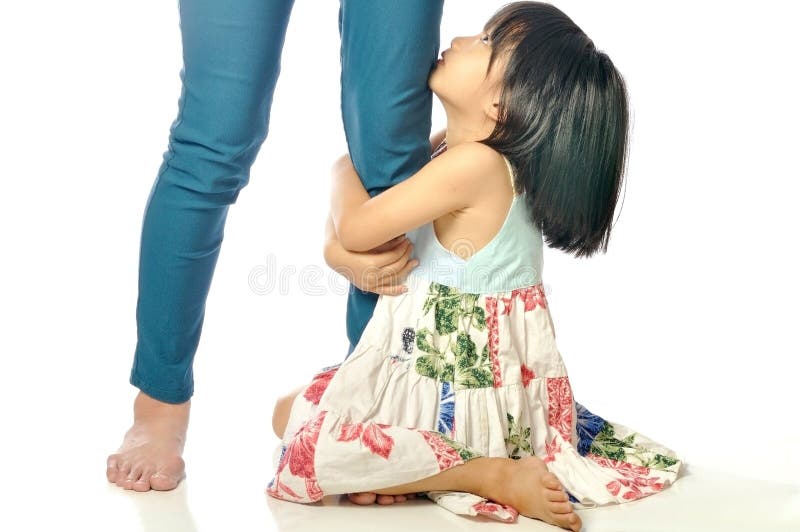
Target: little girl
{"points": [[456, 387]]}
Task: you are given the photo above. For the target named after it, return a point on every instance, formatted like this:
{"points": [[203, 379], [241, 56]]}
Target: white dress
{"points": [[463, 364]]}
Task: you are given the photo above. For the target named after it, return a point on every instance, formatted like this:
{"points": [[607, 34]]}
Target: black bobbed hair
{"points": [[562, 123]]}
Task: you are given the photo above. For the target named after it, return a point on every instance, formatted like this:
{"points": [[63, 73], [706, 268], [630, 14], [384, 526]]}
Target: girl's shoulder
{"points": [[486, 160], [477, 152]]}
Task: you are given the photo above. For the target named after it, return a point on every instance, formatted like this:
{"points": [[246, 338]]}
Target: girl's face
{"points": [[460, 79]]}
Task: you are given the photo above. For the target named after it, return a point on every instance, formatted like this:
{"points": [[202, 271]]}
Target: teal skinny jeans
{"points": [[231, 62]]}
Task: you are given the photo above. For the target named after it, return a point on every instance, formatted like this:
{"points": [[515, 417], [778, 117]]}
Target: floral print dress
{"points": [[464, 364]]}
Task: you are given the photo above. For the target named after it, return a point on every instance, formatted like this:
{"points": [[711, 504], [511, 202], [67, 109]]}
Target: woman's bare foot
{"points": [[533, 491], [366, 498], [150, 454]]}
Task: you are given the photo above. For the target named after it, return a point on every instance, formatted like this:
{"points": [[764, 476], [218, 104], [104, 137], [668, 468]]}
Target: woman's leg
{"points": [[387, 51], [526, 485], [231, 61], [386, 111]]}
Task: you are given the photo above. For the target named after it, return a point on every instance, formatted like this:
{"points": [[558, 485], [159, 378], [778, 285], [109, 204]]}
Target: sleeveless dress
{"points": [[464, 364]]}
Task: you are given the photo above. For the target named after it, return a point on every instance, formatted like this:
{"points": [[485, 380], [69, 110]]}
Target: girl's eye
{"points": [[485, 38]]}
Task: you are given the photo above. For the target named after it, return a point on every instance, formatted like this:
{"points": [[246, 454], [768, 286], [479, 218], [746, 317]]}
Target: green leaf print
{"points": [[466, 355], [457, 360], [472, 371], [423, 344], [468, 302], [435, 291], [427, 366], [475, 378], [435, 367], [471, 309], [446, 315], [662, 462], [605, 444], [463, 451], [518, 437], [447, 373], [627, 450], [480, 318]]}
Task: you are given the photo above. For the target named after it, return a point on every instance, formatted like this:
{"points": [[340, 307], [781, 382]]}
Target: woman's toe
{"points": [[123, 470], [143, 482], [111, 468]]}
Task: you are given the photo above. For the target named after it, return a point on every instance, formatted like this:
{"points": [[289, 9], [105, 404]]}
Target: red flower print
{"points": [[493, 340], [299, 456], [377, 441], [527, 375], [318, 385], [372, 437], [313, 489], [634, 478], [559, 406], [507, 304], [300, 451], [278, 488], [501, 512], [446, 455], [531, 296], [627, 469], [350, 431], [551, 449]]}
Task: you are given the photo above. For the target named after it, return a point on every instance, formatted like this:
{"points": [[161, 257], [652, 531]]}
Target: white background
{"points": [[687, 329]]}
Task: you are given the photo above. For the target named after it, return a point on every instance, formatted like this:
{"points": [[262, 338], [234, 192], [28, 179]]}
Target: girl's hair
{"points": [[562, 123]]}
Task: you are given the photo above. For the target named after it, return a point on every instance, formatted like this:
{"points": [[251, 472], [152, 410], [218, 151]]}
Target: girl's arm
{"points": [[381, 270], [332, 241], [449, 182]]}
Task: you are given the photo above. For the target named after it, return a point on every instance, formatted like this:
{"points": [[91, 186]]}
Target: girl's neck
{"points": [[462, 129]]}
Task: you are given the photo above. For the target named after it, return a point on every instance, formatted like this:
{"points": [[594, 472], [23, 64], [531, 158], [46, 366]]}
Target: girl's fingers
{"points": [[389, 245], [393, 255], [402, 274], [394, 288], [390, 269]]}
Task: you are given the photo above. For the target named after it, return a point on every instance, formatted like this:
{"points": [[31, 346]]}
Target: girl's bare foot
{"points": [[150, 454], [526, 485], [533, 491]]}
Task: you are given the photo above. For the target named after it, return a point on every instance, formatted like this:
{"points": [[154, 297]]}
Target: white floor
{"points": [[704, 500], [57, 481]]}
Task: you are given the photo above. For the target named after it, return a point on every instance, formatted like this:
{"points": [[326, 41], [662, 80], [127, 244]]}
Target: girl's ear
{"points": [[492, 106], [492, 110]]}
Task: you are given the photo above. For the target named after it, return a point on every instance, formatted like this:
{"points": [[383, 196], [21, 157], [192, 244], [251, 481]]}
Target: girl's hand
{"points": [[380, 270]]}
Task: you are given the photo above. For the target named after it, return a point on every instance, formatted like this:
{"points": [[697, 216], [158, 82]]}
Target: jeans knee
{"points": [[208, 168]]}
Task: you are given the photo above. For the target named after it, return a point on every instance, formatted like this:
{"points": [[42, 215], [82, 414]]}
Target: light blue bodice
{"points": [[512, 259]]}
